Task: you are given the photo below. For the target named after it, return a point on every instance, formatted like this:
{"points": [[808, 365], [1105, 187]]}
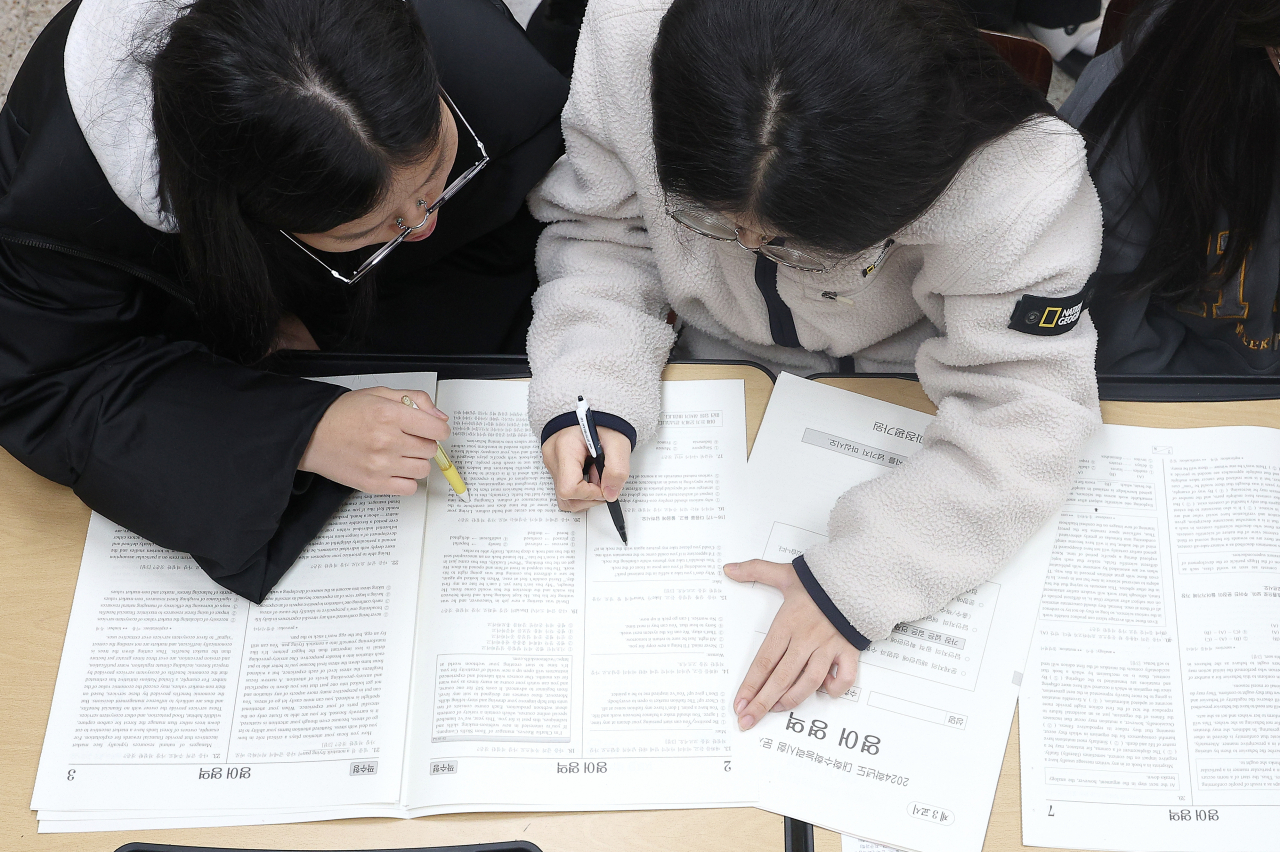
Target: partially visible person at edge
{"points": [[1182, 120], [804, 182], [186, 188]]}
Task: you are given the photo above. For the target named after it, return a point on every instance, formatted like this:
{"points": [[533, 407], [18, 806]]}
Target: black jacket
{"points": [[1230, 327], [100, 391]]}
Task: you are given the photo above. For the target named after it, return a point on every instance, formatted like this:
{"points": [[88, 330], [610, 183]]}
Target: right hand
{"points": [[565, 453], [370, 440]]}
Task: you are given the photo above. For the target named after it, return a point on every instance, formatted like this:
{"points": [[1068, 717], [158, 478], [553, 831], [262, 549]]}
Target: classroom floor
{"points": [[20, 23], [22, 20]]}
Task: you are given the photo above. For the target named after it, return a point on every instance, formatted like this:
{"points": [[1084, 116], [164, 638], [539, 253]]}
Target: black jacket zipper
{"points": [[19, 238]]}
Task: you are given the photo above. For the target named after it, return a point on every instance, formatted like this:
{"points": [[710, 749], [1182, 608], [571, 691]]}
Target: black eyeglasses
{"points": [[405, 230]]}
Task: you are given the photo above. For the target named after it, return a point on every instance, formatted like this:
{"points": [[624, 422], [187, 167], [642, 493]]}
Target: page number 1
{"points": [[1051, 813]]}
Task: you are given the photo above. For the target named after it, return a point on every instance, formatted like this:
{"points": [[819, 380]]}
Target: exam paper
{"points": [[1150, 717], [557, 667], [173, 692], [536, 663], [857, 844], [910, 755]]}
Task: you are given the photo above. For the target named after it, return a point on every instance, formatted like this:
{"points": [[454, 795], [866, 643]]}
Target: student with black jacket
{"points": [[1183, 122], [184, 189]]}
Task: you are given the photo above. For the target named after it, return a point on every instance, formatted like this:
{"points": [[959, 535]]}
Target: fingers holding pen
{"points": [[419, 399], [370, 440], [617, 462], [420, 419], [565, 455]]}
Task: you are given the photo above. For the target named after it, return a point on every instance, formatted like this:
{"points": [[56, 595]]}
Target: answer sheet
{"points": [[910, 755], [557, 667], [1150, 717], [173, 692]]}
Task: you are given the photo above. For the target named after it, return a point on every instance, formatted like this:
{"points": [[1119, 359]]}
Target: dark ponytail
{"points": [[1200, 93], [282, 115], [834, 122]]}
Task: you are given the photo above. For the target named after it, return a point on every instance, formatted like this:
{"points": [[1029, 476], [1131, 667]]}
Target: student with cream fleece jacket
{"points": [[967, 269]]}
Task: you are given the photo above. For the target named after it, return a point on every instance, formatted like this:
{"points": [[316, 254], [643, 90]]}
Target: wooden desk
{"points": [[42, 532]]}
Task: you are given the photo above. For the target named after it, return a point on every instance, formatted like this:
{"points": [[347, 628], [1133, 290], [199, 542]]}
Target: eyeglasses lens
{"points": [[719, 228], [793, 257], [707, 224]]}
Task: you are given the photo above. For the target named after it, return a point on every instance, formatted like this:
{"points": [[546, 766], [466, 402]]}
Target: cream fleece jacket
{"points": [[1021, 217]]}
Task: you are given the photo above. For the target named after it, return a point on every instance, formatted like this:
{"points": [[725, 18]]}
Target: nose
{"points": [[751, 239]]}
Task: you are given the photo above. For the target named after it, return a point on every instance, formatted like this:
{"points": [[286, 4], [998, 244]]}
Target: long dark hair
{"points": [[1199, 90], [834, 122], [282, 114]]}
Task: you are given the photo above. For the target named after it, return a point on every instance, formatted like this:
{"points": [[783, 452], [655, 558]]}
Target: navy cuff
{"points": [[608, 421], [828, 607]]}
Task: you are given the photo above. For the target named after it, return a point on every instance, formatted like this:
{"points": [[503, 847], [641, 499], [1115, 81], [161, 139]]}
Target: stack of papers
{"points": [[429, 656]]}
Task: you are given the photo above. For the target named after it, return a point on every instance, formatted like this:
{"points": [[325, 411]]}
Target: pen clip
{"points": [[583, 410]]}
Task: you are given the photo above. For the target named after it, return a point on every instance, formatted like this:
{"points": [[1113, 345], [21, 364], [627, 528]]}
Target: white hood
{"points": [[109, 87]]}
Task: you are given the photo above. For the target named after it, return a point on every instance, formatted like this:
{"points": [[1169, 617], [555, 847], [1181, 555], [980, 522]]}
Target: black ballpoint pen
{"points": [[587, 422]]}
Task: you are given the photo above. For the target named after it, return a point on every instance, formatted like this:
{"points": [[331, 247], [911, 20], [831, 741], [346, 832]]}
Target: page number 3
{"points": [[71, 775]]}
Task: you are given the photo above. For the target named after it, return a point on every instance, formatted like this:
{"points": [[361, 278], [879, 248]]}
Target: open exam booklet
{"points": [[1151, 711], [428, 656], [424, 655]]}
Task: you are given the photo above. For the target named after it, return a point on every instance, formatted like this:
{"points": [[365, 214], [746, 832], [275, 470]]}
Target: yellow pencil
{"points": [[446, 467]]}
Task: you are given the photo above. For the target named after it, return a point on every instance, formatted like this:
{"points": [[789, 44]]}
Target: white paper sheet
{"points": [[1150, 717], [172, 690], [559, 666], [856, 844], [911, 754]]}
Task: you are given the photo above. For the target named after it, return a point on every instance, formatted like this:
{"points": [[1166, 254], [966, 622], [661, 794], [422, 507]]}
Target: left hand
{"points": [[802, 651]]}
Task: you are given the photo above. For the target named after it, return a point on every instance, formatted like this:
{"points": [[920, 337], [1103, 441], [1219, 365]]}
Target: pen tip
{"points": [[465, 496], [624, 537]]}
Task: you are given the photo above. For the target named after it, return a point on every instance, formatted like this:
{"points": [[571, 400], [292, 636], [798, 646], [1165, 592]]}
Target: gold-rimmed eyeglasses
{"points": [[405, 230]]}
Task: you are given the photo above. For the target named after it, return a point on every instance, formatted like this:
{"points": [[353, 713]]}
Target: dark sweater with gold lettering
{"points": [[1230, 327]]}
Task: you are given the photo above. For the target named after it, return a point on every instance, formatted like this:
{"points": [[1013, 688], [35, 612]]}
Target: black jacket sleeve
{"points": [[189, 450]]}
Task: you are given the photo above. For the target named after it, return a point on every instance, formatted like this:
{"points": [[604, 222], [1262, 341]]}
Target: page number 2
{"points": [[728, 766]]}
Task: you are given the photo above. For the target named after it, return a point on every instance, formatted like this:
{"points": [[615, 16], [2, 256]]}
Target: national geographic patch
{"points": [[1044, 316]]}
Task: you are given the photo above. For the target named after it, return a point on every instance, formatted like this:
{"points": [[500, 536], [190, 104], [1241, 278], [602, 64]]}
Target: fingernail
{"points": [[746, 722], [737, 708], [611, 494], [777, 708], [732, 567]]}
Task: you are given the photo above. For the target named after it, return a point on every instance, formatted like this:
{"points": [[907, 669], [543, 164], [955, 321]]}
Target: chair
{"points": [[1029, 58], [1114, 22]]}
